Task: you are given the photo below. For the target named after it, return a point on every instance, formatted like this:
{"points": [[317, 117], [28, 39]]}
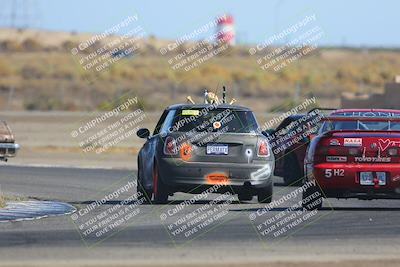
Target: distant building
{"points": [[389, 99]]}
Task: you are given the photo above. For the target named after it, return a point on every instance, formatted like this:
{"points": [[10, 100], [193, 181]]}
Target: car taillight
{"points": [[170, 146], [333, 151], [331, 154], [263, 148]]}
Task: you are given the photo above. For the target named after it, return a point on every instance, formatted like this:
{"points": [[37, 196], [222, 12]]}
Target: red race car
{"points": [[356, 154]]}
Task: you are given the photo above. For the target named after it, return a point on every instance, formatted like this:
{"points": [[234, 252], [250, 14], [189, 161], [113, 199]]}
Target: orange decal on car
{"points": [[217, 178]]}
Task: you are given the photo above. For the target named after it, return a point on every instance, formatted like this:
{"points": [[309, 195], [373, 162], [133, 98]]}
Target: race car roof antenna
{"points": [[224, 96]]}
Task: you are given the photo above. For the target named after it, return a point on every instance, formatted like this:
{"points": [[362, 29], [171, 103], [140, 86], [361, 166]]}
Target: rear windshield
{"points": [[226, 120], [360, 125]]}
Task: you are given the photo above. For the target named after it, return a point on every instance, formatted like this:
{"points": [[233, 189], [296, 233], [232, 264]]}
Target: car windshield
{"points": [[360, 125], [226, 120]]}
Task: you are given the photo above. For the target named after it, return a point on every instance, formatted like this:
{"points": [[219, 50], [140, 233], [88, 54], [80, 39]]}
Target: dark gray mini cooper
{"points": [[197, 146]]}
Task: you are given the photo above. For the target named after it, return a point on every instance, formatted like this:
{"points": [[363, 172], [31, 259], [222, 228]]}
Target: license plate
{"points": [[367, 178], [217, 149]]}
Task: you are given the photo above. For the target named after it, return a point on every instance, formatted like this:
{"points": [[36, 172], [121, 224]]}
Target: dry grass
{"points": [[51, 79], [2, 201], [6, 198]]}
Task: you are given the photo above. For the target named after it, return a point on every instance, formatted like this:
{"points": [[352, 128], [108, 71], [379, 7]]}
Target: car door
{"points": [[150, 150], [146, 155], [280, 156]]}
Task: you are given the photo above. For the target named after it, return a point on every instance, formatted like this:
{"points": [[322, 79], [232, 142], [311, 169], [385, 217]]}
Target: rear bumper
{"points": [[185, 175], [8, 150], [346, 182]]}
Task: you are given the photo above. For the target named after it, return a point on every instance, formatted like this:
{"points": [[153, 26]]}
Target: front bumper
{"points": [[175, 172], [8, 150], [346, 184]]}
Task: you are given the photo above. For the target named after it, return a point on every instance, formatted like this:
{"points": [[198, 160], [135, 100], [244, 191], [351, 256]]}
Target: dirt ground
{"points": [[45, 140]]}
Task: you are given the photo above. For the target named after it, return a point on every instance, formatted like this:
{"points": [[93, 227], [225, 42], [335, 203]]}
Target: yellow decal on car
{"points": [[190, 112]]}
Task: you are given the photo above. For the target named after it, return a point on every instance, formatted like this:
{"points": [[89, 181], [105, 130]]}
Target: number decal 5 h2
{"points": [[334, 173]]}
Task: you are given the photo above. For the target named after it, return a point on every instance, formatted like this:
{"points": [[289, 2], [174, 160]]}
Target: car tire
{"points": [[264, 195], [311, 202], [160, 190], [293, 174], [245, 197], [146, 193]]}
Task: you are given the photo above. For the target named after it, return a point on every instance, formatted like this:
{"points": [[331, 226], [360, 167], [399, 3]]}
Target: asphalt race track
{"points": [[352, 228]]}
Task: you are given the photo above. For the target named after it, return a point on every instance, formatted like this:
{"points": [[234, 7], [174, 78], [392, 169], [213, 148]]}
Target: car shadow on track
{"points": [[362, 208], [280, 184], [325, 209], [122, 202]]}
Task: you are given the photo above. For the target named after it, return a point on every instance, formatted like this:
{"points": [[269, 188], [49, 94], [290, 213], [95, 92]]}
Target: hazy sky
{"points": [[357, 23]]}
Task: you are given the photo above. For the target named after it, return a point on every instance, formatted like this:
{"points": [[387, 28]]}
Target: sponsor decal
{"points": [[353, 142], [216, 125], [372, 159], [386, 143], [186, 151], [336, 159], [329, 173], [368, 114], [334, 142], [396, 178]]}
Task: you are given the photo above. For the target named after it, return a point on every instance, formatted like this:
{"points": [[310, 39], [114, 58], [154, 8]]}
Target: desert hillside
{"points": [[38, 71]]}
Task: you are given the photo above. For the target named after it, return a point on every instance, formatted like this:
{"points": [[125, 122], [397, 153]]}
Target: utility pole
{"points": [[19, 14], [10, 97]]}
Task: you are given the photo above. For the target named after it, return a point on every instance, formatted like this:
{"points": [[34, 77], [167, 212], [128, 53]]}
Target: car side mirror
{"points": [[143, 133]]}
